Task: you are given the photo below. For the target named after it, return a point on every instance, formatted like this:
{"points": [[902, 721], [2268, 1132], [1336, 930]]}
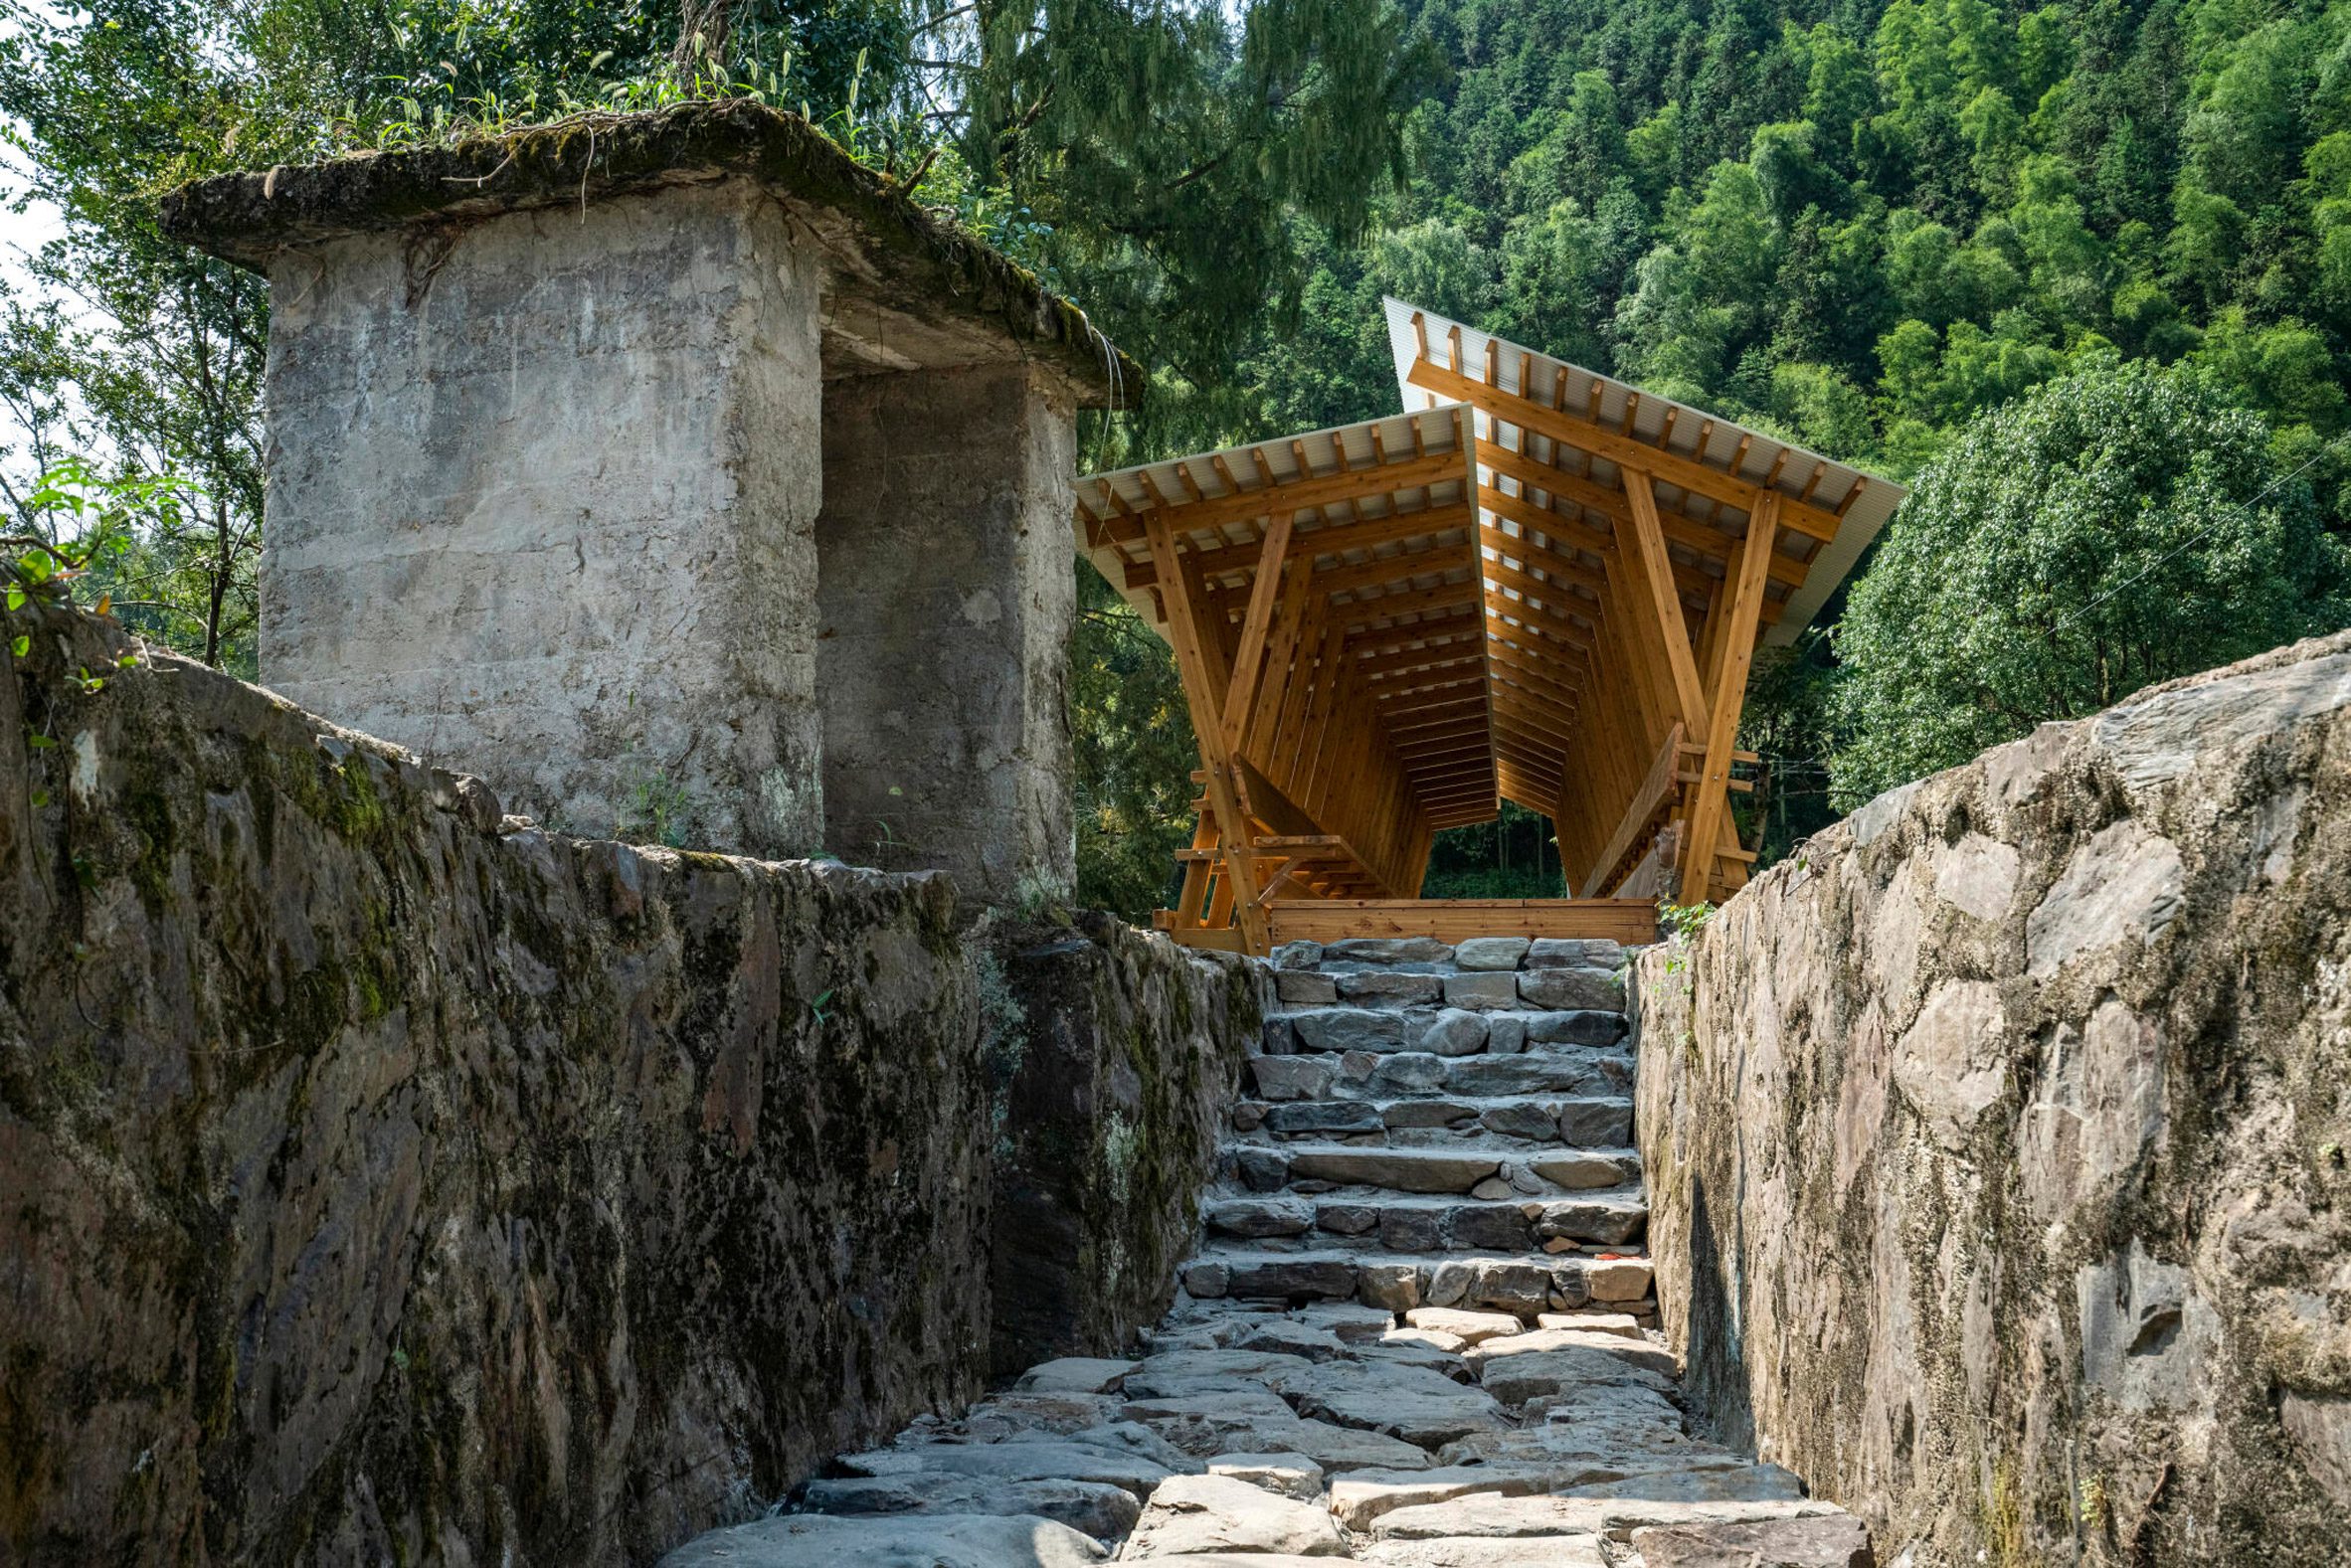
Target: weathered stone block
{"points": [[1482, 993], [1293, 1077], [1837, 1541], [1393, 1285], [1571, 1285], [1411, 1230], [1259, 1217], [1328, 1278], [1386, 950], [1346, 1219], [1604, 1222], [1574, 952], [1381, 988], [1490, 953], [1304, 988], [1596, 1124], [1456, 1032], [1495, 1227], [1616, 1279], [1408, 1072], [1260, 1169], [1429, 1112], [1533, 1074], [1563, 990], [1528, 1119], [1580, 1169], [1207, 1281], [1575, 1028], [1401, 1170], [1348, 1029], [1325, 1116], [1520, 1288]]}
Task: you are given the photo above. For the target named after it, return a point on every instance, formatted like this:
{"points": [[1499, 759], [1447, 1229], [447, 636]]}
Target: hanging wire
{"points": [[2242, 507]]}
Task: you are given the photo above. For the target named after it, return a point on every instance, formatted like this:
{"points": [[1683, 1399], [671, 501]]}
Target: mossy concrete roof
{"points": [[905, 258]]}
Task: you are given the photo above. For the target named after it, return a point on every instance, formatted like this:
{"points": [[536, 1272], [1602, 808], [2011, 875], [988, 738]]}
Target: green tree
{"points": [[1135, 755], [2120, 526]]}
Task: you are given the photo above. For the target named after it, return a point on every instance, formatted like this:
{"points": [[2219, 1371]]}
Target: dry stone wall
{"points": [[1118, 1064], [1998, 1141], [387, 1179]]}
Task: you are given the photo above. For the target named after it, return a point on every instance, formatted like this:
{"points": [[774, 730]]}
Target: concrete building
{"points": [[681, 476]]}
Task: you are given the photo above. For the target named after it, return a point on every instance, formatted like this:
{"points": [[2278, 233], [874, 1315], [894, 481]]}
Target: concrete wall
{"points": [[946, 594], [541, 496], [382, 1186], [1997, 1140]]}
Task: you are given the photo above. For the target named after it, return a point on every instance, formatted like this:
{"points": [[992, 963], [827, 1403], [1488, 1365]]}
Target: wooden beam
{"points": [[1647, 801], [1384, 571], [1264, 595], [1711, 802], [1293, 495], [1328, 539], [1204, 696], [1560, 426], [1632, 922], [1419, 602], [1698, 538], [1658, 574]]}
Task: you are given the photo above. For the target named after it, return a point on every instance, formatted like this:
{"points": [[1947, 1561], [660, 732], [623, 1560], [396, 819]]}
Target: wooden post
{"points": [[1710, 808], [1238, 885]]}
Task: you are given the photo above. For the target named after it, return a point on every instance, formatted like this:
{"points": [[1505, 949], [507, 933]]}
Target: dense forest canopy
{"points": [[1875, 228]]}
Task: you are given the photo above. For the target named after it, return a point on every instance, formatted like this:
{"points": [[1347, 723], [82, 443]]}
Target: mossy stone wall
{"points": [[1116, 1062], [386, 1184]]}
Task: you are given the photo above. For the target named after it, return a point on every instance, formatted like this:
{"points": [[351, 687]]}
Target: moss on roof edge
{"points": [[246, 218]]}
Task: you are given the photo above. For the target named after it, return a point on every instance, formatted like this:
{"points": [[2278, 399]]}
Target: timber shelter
{"points": [[1536, 584]]}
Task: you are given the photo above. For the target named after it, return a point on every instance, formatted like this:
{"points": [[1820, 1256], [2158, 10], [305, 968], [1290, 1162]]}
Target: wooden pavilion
{"points": [[1542, 584]]}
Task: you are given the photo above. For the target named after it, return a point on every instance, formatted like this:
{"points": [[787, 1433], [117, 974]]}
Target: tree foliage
{"points": [[2108, 530]]}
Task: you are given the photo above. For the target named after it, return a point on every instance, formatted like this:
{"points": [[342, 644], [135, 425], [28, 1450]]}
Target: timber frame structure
{"points": [[1540, 586]]}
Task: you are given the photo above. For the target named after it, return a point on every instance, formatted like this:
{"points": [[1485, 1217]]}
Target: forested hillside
{"points": [[1866, 224], [1875, 228], [1862, 225]]}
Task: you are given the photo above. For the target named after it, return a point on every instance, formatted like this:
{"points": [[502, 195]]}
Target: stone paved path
{"points": [[1419, 1330]]}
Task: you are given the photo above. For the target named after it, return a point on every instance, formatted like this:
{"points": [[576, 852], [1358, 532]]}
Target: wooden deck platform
{"points": [[1631, 921]]}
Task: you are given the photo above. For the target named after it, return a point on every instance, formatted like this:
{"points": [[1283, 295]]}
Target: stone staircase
{"points": [[1419, 1330], [1439, 1126]]}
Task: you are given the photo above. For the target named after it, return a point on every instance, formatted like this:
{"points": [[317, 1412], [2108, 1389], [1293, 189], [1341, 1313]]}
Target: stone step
{"points": [[1526, 1284], [1573, 1120], [1486, 954], [1439, 1031], [1432, 1224], [1480, 1165], [1556, 991], [1405, 1075]]}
